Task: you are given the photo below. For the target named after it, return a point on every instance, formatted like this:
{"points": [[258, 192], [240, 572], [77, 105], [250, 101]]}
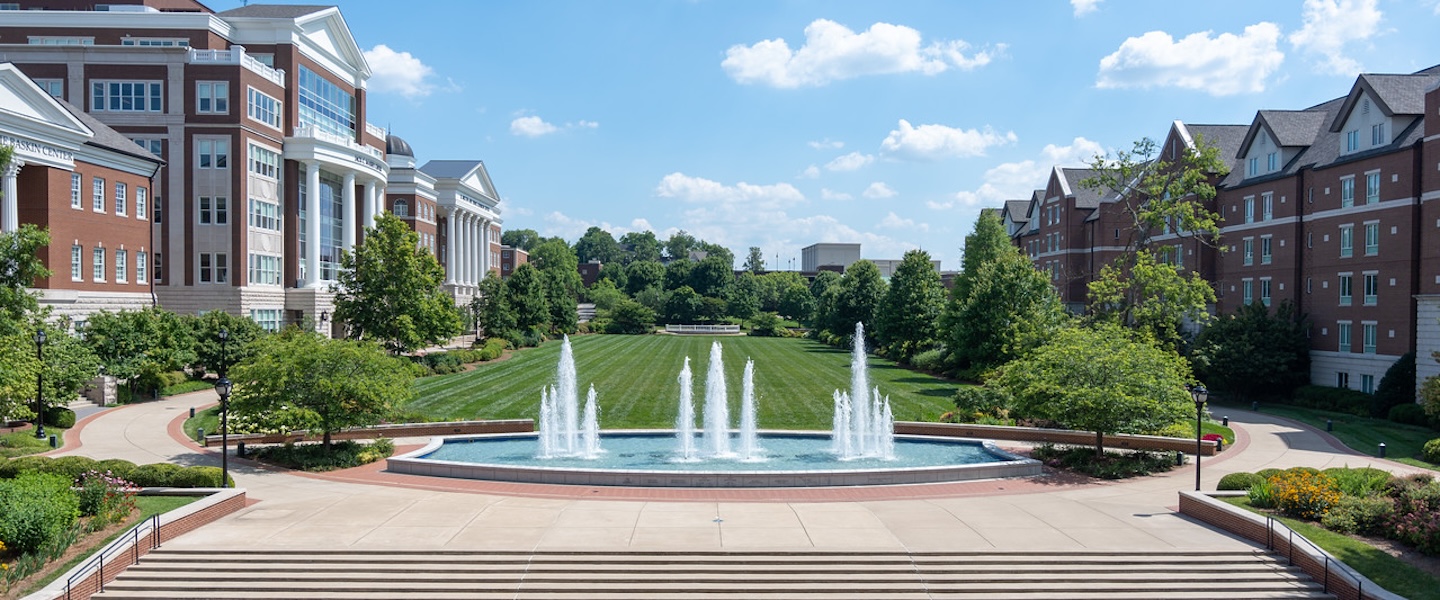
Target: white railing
{"points": [[702, 329], [311, 131], [376, 130], [236, 56]]}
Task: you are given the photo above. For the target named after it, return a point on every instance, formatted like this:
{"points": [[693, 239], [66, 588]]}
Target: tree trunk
{"points": [[326, 441], [1099, 444]]}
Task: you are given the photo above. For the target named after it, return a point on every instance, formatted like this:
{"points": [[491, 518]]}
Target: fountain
{"points": [[860, 449]]}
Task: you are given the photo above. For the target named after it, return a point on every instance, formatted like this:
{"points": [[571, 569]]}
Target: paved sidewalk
{"points": [[315, 512]]}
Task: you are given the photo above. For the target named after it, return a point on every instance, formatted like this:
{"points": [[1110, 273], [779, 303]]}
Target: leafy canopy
{"points": [[389, 290]]}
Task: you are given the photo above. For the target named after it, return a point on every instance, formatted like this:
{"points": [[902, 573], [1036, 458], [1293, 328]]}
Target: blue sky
{"points": [[782, 124]]}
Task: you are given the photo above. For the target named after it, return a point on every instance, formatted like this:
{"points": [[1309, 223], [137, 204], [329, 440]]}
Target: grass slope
{"points": [[635, 381]]}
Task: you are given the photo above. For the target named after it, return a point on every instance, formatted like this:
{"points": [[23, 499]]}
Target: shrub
{"points": [[1364, 481], [1268, 473], [1409, 414], [1304, 493], [1396, 387], [118, 467], [59, 416], [313, 457], [1112, 465], [36, 509], [1262, 494], [1333, 399], [1238, 481], [12, 468], [979, 401], [107, 498], [1359, 515], [72, 467], [768, 324], [196, 477], [1431, 452], [155, 475], [931, 361]]}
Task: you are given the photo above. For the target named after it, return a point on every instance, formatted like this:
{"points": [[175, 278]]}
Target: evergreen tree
{"points": [[825, 291], [754, 261], [1254, 353], [861, 290], [389, 290], [907, 321], [1010, 310]]}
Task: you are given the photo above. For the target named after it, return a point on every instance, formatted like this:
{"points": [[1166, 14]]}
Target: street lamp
{"points": [[1200, 395], [224, 342], [40, 383], [222, 387]]}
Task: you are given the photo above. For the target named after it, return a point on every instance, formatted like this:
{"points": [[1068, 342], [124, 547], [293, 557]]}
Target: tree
{"points": [[796, 302], [1157, 194], [69, 365], [640, 246], [524, 239], [643, 274], [718, 251], [861, 290], [684, 306], [526, 293], [139, 346], [677, 273], [1010, 310], [389, 290], [742, 300], [679, 245], [825, 291], [1395, 388], [1255, 353], [496, 318], [210, 355], [712, 277], [326, 385], [631, 317], [563, 303], [20, 266], [754, 261], [555, 257], [907, 320], [1100, 379], [987, 242], [598, 245]]}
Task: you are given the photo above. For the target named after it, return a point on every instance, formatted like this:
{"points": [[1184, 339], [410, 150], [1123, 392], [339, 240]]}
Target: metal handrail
{"points": [[1342, 568], [130, 540]]}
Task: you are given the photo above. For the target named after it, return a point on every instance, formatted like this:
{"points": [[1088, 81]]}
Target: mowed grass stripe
{"points": [[635, 381]]}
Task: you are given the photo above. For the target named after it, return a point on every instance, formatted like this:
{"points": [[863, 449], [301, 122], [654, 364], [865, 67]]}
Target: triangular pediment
{"points": [[24, 106], [327, 32]]}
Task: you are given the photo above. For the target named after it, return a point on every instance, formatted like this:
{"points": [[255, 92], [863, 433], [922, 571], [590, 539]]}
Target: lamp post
{"points": [[222, 387], [40, 383], [1200, 395]]}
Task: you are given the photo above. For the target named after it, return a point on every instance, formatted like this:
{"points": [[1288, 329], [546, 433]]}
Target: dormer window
{"points": [[1377, 135], [1272, 162], [1253, 168], [1352, 140]]}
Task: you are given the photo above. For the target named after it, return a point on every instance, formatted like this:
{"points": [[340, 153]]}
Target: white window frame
{"points": [[1248, 253], [1372, 187], [122, 265], [121, 201], [265, 215], [97, 264], [1372, 238], [1347, 289], [263, 108], [1247, 291], [120, 96], [1352, 140], [77, 255], [1377, 135], [54, 87], [1267, 206], [1370, 280], [97, 194], [1249, 209], [75, 182], [1266, 249], [1265, 291], [1347, 240], [142, 267], [1347, 191], [211, 153], [142, 203], [1369, 337], [264, 162], [1344, 337], [212, 97]]}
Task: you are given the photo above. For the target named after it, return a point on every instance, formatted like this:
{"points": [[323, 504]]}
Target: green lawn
{"points": [[635, 379], [1391, 573], [208, 419], [1402, 442], [21, 443]]}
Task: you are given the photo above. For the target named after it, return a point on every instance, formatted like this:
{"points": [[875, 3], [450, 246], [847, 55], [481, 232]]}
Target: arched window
{"points": [[402, 208]]}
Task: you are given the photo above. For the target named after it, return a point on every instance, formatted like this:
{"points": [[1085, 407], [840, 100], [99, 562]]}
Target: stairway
{"points": [[816, 575]]}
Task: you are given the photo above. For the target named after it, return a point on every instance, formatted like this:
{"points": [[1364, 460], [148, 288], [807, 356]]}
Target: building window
{"points": [[97, 195], [159, 267], [1367, 384], [264, 162], [1347, 192], [1267, 206], [75, 190], [159, 211], [264, 269], [1347, 241], [1346, 289], [1248, 291], [1272, 162], [76, 253], [213, 154], [204, 210], [142, 269], [1249, 209], [1352, 140], [125, 96], [1249, 254], [1265, 291], [1253, 166], [1342, 380], [269, 319], [1265, 250], [151, 145], [402, 209], [58, 40], [122, 260], [212, 210], [1179, 255], [142, 203], [1377, 135], [120, 198], [97, 264], [1343, 329], [1372, 288], [264, 215], [1372, 239], [54, 87], [213, 268], [325, 105], [156, 42], [262, 108], [1372, 188], [1367, 338], [212, 97]]}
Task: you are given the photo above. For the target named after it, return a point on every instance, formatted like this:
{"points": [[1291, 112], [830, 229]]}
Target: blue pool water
{"points": [[656, 452]]}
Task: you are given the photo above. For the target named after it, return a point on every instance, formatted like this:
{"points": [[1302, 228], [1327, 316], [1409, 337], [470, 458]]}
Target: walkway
{"points": [[320, 512]]}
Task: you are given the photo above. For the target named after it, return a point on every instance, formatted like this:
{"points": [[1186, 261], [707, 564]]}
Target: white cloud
{"points": [[879, 190], [583, 124], [810, 172], [531, 126], [570, 228], [827, 144], [850, 162], [828, 194], [932, 142], [1016, 180], [705, 191], [1227, 64], [1085, 7], [894, 221], [1330, 25], [399, 72], [833, 52]]}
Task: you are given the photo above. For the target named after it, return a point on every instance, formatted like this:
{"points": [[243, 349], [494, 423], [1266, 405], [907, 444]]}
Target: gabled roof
{"points": [[468, 172], [1070, 181], [274, 11], [1017, 210], [108, 138], [321, 27], [1225, 138], [1393, 94]]}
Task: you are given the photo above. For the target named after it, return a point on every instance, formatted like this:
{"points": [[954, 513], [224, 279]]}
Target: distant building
{"points": [[510, 258], [888, 266], [590, 272], [816, 257]]}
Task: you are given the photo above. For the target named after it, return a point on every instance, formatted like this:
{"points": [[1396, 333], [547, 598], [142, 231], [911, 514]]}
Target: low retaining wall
{"points": [[1339, 580], [1055, 436], [702, 329], [173, 524], [389, 431]]}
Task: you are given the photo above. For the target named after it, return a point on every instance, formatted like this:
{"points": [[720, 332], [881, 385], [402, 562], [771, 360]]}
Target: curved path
{"points": [[370, 509]]}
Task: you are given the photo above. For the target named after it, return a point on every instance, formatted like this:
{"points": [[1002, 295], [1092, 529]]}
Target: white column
{"points": [[478, 263], [312, 224], [461, 247], [370, 212], [11, 200], [484, 248], [469, 249], [347, 206], [450, 247]]}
